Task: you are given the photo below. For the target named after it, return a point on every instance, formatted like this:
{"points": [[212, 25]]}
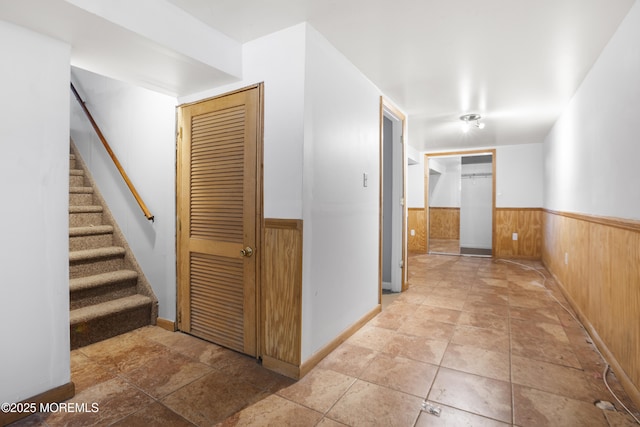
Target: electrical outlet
{"points": [[413, 232], [514, 236], [566, 258]]}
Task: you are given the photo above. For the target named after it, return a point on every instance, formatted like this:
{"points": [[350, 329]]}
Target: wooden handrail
{"points": [[113, 156]]}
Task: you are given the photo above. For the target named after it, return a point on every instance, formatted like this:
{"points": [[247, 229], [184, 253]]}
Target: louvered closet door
{"points": [[218, 211]]}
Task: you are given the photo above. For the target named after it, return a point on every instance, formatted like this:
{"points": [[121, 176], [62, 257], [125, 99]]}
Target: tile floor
{"points": [[482, 340], [444, 246]]}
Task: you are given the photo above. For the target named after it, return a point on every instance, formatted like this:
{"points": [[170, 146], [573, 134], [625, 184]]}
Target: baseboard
{"points": [[55, 395], [311, 362], [169, 325], [284, 368], [624, 379]]}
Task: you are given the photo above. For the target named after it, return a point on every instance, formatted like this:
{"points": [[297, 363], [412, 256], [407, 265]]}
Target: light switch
{"points": [[365, 179], [514, 236]]}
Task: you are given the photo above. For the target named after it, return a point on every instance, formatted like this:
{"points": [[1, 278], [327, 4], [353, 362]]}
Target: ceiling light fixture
{"points": [[468, 118]]}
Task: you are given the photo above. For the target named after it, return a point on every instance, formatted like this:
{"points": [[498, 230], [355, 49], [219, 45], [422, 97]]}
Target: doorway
{"points": [[460, 203], [392, 195], [219, 208]]}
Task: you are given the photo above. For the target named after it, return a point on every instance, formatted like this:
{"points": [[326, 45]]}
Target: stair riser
{"points": [[102, 294], [105, 298], [100, 329], [78, 243], [85, 219], [80, 199], [76, 181], [91, 267]]}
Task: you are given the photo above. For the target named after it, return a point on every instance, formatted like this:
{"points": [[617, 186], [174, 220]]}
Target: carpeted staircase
{"points": [[109, 294]]}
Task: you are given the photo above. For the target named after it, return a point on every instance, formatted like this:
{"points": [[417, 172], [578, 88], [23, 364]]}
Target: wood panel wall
{"points": [[601, 280], [444, 223], [281, 308], [527, 222], [417, 221]]}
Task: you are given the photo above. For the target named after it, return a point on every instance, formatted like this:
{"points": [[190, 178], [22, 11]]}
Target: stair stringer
{"points": [[143, 287]]}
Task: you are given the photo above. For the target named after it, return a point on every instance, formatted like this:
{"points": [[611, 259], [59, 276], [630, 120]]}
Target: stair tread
{"points": [[104, 309], [106, 252], [97, 280], [90, 230], [85, 209], [103, 288], [81, 190]]}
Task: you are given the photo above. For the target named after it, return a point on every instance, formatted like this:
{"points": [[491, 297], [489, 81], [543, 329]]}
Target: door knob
{"points": [[246, 252]]}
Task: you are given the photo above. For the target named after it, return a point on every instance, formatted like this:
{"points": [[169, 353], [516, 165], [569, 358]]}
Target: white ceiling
{"points": [[515, 62]]}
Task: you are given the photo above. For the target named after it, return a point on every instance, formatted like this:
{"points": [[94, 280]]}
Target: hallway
{"points": [[483, 340]]}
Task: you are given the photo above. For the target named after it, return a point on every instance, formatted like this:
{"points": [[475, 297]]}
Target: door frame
{"points": [[427, 156], [387, 108], [259, 206]]}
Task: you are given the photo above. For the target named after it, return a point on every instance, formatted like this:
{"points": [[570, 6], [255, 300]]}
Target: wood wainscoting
{"points": [[596, 262], [444, 223], [281, 307], [527, 222], [417, 221]]}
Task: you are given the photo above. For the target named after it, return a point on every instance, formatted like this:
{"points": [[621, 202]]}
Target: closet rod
{"points": [[476, 175]]}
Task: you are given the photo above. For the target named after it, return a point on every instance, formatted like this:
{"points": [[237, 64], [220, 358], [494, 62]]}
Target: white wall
{"points": [[592, 152], [321, 122], [34, 177], [278, 61], [519, 179], [519, 176], [444, 188], [415, 183], [140, 127], [340, 258]]}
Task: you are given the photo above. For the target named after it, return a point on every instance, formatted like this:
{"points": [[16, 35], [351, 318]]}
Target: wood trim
{"points": [[281, 295], [55, 395], [181, 262], [166, 324], [622, 223], [114, 159], [386, 105], [283, 368], [259, 236], [458, 153], [380, 200], [259, 86], [283, 224], [311, 362], [494, 230]]}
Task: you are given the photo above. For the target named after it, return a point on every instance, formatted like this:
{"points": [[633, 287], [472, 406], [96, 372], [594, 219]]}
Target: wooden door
{"points": [[219, 178]]}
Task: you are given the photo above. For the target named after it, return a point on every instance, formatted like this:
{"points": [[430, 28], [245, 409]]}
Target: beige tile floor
{"points": [[482, 340], [444, 246]]}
